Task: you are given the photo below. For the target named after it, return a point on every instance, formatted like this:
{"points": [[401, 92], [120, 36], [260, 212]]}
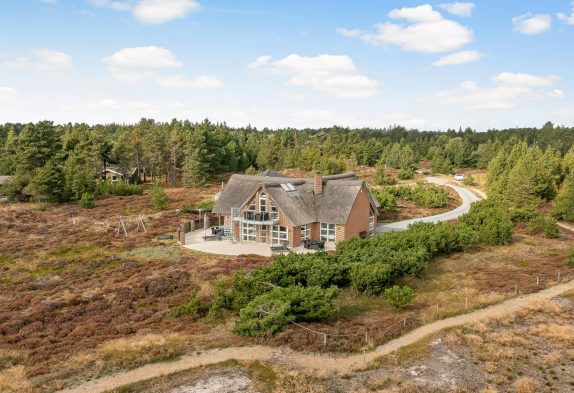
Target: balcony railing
{"points": [[261, 216]]}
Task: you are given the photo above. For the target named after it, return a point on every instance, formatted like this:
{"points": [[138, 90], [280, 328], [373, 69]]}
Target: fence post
{"points": [[436, 317], [405, 322], [558, 277], [366, 337], [324, 340], [516, 288], [466, 303], [537, 281]]}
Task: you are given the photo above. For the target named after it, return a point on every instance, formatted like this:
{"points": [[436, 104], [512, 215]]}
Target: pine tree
{"points": [[49, 183], [564, 207], [159, 199], [194, 173]]}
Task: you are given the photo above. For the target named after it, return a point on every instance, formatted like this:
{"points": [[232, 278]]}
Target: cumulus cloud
{"points": [[152, 11], [335, 75], [458, 9], [425, 31], [568, 18], [457, 58], [145, 63], [508, 90], [40, 59], [532, 24]]}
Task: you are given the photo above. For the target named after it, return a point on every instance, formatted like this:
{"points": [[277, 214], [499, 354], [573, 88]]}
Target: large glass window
{"points": [[262, 202], [263, 234], [328, 232], [252, 206], [248, 232], [305, 232], [372, 223], [280, 234]]}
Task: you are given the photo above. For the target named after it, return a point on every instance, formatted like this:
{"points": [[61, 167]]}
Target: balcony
{"points": [[260, 218]]}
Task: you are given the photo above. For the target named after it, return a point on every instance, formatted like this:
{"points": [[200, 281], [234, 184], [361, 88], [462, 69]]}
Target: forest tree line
{"points": [[61, 162]]}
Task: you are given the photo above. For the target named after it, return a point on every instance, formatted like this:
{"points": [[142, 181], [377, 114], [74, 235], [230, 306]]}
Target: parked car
{"points": [[459, 177]]}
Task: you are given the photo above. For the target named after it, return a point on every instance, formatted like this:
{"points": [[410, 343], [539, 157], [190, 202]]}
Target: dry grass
{"points": [[525, 385], [489, 389], [551, 359], [13, 380], [563, 334]]}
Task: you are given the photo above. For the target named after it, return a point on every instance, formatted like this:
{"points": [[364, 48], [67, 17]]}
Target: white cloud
{"points": [[115, 105], [182, 82], [147, 63], [459, 9], [8, 94], [532, 24], [426, 31], [143, 57], [293, 96], [568, 18], [527, 80], [40, 59], [152, 11], [334, 75], [508, 90], [350, 33], [463, 57]]}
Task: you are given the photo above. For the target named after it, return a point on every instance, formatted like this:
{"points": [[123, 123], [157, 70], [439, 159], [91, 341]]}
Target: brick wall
{"points": [[358, 220]]}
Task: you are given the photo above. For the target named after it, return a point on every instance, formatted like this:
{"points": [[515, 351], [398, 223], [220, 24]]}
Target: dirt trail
{"points": [[311, 361]]}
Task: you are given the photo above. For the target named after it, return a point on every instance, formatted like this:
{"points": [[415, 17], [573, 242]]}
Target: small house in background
{"points": [[275, 209], [114, 175], [4, 180]]}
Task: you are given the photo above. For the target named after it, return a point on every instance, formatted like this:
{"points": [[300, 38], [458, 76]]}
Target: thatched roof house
{"points": [[331, 208]]}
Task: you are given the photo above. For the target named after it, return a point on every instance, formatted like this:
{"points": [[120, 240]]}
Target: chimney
{"points": [[318, 183]]}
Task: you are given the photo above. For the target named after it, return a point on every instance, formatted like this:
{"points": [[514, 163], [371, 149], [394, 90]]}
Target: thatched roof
{"points": [[5, 179], [333, 205]]}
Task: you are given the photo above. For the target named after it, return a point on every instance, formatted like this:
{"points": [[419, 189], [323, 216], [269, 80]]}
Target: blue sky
{"points": [[429, 65]]}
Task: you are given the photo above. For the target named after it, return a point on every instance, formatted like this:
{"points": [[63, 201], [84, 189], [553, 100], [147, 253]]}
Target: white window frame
{"points": [[248, 232], [280, 234], [328, 232], [252, 206], [305, 232], [262, 202]]}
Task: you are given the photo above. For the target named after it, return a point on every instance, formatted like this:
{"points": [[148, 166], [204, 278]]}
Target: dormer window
{"points": [[252, 206]]}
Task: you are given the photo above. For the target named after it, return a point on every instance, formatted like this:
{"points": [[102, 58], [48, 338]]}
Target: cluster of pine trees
{"points": [[60, 162]]}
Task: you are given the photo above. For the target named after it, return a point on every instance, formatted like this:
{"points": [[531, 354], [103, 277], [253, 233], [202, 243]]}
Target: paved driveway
{"points": [[467, 197]]}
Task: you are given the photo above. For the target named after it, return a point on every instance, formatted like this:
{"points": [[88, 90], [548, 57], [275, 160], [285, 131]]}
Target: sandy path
{"points": [[311, 361]]}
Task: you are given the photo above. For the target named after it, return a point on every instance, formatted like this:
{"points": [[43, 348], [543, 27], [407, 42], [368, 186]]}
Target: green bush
{"points": [[423, 195], [118, 189], [386, 199], [383, 179], [86, 201], [469, 180], [268, 314], [159, 199], [399, 297], [491, 220], [551, 229], [192, 307], [535, 225], [570, 258], [405, 174], [371, 278]]}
